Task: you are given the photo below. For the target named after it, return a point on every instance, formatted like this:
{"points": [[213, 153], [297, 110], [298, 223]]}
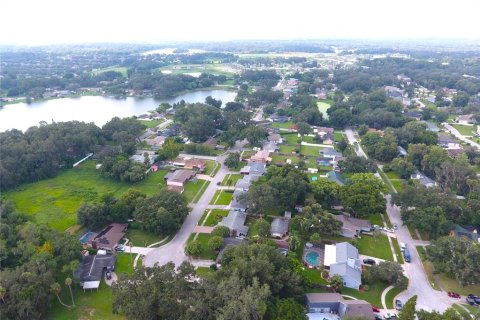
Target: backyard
{"points": [[55, 201]]}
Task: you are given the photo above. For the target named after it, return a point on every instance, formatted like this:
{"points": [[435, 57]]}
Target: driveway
{"points": [[457, 134], [427, 298], [174, 250]]}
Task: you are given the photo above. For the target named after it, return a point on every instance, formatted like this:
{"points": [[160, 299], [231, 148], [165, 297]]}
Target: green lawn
{"points": [[283, 159], [192, 188], [247, 154], [211, 167], [314, 276], [140, 237], [375, 219], [122, 70], [205, 252], [231, 179], [287, 149], [323, 107], [124, 264], [398, 184], [285, 125], [390, 297], [379, 248], [215, 217], [398, 253], [338, 136], [290, 138], [151, 123], [55, 201], [310, 151], [89, 305], [465, 130], [373, 295], [240, 165], [473, 310], [204, 272], [224, 198], [450, 284], [215, 68], [427, 266]]}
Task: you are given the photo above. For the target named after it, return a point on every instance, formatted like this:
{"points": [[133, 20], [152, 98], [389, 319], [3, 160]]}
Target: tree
{"points": [[263, 228], [336, 282], [431, 220], [403, 167], [221, 231], [460, 100], [315, 239], [215, 243], [260, 198], [303, 128], [232, 160], [68, 283], [356, 164], [288, 309], [408, 310], [193, 248], [362, 195], [294, 242], [213, 102], [56, 289], [254, 135], [389, 272], [170, 149]]}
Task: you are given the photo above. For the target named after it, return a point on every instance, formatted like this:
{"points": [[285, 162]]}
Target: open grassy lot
{"points": [[122, 70], [141, 238], [310, 151], [204, 272], [283, 159], [465, 130], [338, 136], [222, 198], [193, 188], [89, 305], [231, 179], [285, 125], [378, 248], [124, 264], [211, 167], [373, 295], [287, 149], [151, 123], [55, 201], [215, 68], [314, 276], [323, 107], [290, 138]]}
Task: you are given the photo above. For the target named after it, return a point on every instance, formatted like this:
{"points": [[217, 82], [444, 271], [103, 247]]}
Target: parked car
{"points": [[108, 275], [390, 230], [375, 309], [402, 246], [471, 301], [390, 315], [477, 300], [398, 305], [369, 261], [394, 227], [453, 295], [120, 247]]}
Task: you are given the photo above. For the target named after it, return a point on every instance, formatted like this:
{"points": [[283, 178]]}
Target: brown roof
{"points": [[323, 297], [211, 142], [358, 308], [180, 176], [110, 235], [274, 137], [452, 153], [349, 222]]}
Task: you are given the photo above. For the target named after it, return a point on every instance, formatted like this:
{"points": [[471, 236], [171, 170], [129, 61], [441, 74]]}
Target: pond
{"points": [[97, 109]]}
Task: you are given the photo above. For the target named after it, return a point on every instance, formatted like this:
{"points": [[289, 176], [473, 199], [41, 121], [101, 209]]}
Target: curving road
{"points": [[174, 250], [457, 134]]}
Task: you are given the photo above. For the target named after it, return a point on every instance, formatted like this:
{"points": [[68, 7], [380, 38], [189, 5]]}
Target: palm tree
{"points": [[56, 289], [68, 282], [2, 293]]}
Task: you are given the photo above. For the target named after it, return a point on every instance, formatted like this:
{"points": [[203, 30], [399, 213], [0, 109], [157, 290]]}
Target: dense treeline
{"points": [[255, 282], [42, 151], [32, 257]]}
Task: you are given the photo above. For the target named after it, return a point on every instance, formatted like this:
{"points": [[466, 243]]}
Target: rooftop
{"points": [[235, 221], [109, 236]]}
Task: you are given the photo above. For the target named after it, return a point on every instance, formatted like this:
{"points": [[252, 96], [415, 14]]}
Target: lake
{"points": [[97, 109]]}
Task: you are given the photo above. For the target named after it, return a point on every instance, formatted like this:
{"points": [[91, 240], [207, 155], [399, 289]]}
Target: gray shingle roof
{"points": [[279, 226], [235, 221]]}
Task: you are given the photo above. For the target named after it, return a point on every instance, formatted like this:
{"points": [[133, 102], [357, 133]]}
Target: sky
{"points": [[43, 22]]}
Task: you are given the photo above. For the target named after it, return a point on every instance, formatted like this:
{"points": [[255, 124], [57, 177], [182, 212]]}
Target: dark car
{"points": [[477, 300], [369, 261], [375, 309], [471, 301], [398, 305], [108, 275], [454, 295]]}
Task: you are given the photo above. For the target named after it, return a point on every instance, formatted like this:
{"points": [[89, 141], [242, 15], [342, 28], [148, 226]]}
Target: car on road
{"points": [[471, 301], [454, 295], [369, 261], [394, 227], [398, 305], [108, 275], [402, 246], [375, 309]]}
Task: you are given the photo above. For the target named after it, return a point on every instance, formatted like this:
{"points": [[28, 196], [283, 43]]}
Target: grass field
{"points": [[211, 167], [287, 149], [215, 68], [141, 238], [314, 276], [373, 295], [192, 188], [427, 266], [231, 179], [89, 305], [465, 130], [285, 125], [151, 123], [310, 151], [222, 198], [122, 70], [290, 138], [204, 272], [283, 159], [215, 217], [378, 248], [55, 201], [323, 107], [124, 264], [205, 252]]}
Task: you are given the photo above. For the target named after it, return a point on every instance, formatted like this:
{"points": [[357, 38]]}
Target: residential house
{"points": [[176, 180], [331, 153], [321, 131], [352, 227], [470, 232], [235, 221], [394, 93], [325, 306], [275, 137], [334, 176], [253, 168], [190, 163], [432, 126], [413, 115], [279, 119], [448, 142], [246, 181], [453, 153], [261, 156], [279, 226], [212, 142], [89, 273], [381, 133], [236, 204], [466, 119], [423, 179], [156, 142], [328, 139], [323, 161], [108, 237], [271, 147], [343, 260], [140, 158]]}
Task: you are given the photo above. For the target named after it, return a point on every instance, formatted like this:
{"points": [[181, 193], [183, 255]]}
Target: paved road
{"points": [[457, 134], [174, 250], [352, 140], [428, 298]]}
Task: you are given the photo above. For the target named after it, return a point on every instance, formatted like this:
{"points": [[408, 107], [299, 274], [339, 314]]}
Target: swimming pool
{"points": [[312, 259], [84, 239]]}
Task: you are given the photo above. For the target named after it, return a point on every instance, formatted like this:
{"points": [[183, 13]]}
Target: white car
{"points": [[390, 315]]}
